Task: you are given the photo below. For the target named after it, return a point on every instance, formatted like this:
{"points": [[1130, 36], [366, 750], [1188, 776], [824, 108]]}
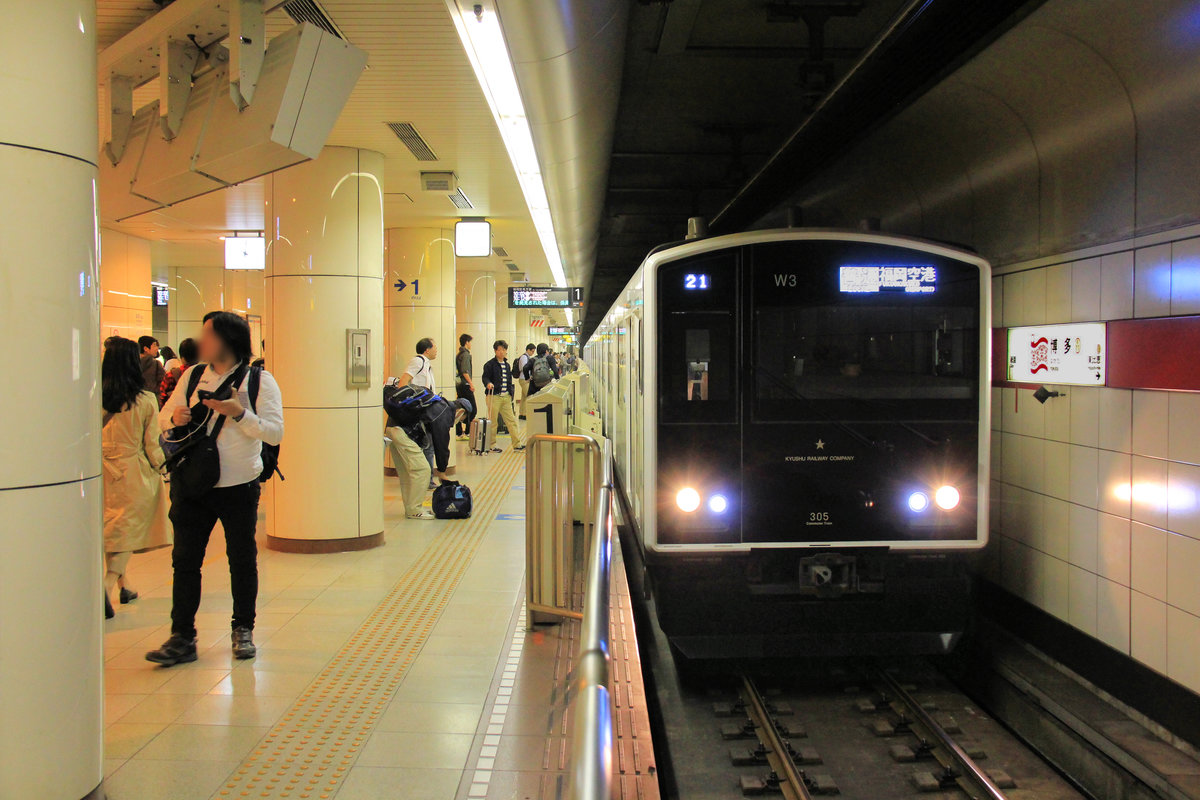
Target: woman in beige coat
{"points": [[135, 502]]}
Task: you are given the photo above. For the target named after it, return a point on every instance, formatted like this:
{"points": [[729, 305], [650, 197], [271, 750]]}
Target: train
{"points": [[800, 429]]}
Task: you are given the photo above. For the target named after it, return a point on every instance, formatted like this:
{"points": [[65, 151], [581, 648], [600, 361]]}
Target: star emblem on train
{"points": [[820, 445]]}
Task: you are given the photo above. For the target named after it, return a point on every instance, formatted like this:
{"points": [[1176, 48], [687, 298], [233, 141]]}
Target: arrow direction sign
{"points": [[400, 285]]}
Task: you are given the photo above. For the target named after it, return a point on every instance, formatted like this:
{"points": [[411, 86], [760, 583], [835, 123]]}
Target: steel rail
{"points": [[778, 752], [969, 770]]}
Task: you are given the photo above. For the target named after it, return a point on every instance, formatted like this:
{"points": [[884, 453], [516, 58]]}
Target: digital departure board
{"points": [[545, 297], [875, 278], [562, 330]]}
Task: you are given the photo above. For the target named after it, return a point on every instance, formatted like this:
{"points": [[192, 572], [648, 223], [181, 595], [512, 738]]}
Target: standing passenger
{"points": [[187, 358], [464, 384], [152, 368], [420, 370], [519, 371], [225, 346], [135, 503], [498, 379]]}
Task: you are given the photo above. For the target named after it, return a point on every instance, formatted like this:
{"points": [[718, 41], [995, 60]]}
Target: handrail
{"points": [[590, 775], [590, 771]]}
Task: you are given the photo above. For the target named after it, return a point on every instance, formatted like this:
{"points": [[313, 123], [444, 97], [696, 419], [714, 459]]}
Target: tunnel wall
{"points": [[1066, 153]]}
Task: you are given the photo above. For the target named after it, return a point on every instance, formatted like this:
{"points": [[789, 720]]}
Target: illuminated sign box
{"points": [[876, 278], [545, 297], [1068, 354], [245, 252], [472, 238], [562, 330]]}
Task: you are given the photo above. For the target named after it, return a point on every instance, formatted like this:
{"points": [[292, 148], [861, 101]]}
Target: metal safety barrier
{"points": [[554, 480], [590, 771]]}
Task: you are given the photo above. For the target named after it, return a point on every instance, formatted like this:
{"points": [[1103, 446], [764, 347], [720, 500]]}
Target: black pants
{"points": [[463, 428], [237, 509]]}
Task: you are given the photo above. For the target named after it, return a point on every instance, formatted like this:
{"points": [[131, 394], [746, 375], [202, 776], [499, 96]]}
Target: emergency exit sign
{"points": [[1069, 354]]}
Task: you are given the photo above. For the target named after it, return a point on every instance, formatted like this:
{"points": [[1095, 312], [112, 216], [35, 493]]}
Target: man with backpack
{"points": [[541, 370], [242, 409], [519, 372]]}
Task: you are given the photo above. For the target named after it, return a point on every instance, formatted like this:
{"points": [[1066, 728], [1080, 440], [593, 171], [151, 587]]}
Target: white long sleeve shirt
{"points": [[239, 443]]}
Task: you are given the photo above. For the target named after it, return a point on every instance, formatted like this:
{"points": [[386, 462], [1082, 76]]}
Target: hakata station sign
{"points": [[1071, 354], [545, 297]]}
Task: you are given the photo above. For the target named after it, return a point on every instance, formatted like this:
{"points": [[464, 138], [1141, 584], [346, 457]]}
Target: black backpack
{"points": [[407, 405], [270, 452]]}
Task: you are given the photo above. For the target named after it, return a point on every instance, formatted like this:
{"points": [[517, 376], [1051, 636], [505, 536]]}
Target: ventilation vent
{"points": [[407, 134], [511, 266], [311, 11], [438, 182], [500, 251], [459, 199]]}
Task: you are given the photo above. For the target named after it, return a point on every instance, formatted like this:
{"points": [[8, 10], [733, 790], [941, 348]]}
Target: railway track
{"points": [[867, 733]]}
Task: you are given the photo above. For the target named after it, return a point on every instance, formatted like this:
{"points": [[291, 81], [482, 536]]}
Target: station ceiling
{"points": [[417, 73], [727, 105]]}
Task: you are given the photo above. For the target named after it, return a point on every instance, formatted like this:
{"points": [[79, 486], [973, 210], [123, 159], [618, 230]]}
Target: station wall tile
{"points": [[1152, 281], [1112, 614], [1085, 290], [1148, 631], [1148, 561], [1082, 609], [1113, 548], [1185, 277], [1150, 420], [1116, 286]]}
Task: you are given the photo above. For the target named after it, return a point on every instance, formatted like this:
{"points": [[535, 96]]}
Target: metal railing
{"points": [[553, 480], [590, 770]]}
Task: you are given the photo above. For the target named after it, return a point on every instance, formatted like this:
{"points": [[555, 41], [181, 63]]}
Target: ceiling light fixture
{"points": [[479, 29]]}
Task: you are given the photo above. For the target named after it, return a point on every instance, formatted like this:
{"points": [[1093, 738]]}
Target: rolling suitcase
{"points": [[481, 435]]}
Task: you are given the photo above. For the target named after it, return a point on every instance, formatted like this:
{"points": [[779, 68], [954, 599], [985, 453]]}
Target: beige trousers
{"points": [[412, 469], [501, 405]]}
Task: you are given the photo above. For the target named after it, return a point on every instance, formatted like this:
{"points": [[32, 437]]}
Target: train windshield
{"points": [[884, 332]]}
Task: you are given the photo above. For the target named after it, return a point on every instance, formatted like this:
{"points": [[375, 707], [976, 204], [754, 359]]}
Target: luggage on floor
{"points": [[452, 500], [481, 435]]}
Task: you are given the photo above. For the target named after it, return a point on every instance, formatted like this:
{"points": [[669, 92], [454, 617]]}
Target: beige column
{"points": [[476, 294], [51, 609], [419, 299], [506, 324], [324, 276], [125, 299]]}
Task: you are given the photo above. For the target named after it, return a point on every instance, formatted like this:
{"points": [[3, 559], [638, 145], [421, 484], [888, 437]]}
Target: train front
{"points": [[821, 446]]}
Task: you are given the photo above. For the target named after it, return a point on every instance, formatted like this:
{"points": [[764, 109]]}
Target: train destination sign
{"points": [[545, 297], [1070, 354], [562, 330], [875, 278]]}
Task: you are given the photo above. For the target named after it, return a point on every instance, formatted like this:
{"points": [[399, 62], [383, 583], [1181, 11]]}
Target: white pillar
{"points": [[324, 276], [51, 608], [476, 293], [419, 302]]}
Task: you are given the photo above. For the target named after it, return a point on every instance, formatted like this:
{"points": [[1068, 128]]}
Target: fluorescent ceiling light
{"points": [[487, 51], [245, 252], [472, 238]]}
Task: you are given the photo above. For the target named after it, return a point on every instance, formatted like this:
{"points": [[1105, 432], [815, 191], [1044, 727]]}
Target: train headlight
{"points": [[946, 497], [918, 501], [687, 499], [718, 503]]}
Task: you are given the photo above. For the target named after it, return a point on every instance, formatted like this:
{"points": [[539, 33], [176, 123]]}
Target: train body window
{"points": [[697, 343]]}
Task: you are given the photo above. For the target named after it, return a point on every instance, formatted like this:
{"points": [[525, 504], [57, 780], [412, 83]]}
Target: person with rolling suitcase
{"points": [[498, 380]]}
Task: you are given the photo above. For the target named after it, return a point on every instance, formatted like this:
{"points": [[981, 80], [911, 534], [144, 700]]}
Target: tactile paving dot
{"points": [[332, 718]]}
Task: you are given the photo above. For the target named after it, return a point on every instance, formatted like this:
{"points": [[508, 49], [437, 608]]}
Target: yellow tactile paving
{"points": [[311, 749]]}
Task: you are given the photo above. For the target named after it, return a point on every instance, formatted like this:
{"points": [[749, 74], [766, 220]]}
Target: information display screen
{"points": [[562, 330], [545, 297], [875, 278], [162, 295]]}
